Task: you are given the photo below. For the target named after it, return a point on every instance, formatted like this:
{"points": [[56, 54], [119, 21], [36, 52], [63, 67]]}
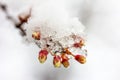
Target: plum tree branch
{"points": [[22, 19]]}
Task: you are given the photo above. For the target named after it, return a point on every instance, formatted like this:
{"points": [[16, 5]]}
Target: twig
{"points": [[21, 19]]}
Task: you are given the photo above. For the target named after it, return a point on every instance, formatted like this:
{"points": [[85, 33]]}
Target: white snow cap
{"points": [[52, 17], [56, 30]]}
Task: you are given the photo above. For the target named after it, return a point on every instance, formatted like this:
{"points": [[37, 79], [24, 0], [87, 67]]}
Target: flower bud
{"points": [[57, 61], [65, 61], [79, 44], [81, 59], [43, 56], [36, 35], [82, 42]]}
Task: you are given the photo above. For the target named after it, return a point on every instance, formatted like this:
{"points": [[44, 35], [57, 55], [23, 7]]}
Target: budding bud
{"points": [[36, 35], [81, 59], [43, 56], [82, 42], [57, 61], [65, 61], [79, 44]]}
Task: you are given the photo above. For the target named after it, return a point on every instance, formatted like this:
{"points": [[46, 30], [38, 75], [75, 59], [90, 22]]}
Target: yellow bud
{"points": [[36, 35]]}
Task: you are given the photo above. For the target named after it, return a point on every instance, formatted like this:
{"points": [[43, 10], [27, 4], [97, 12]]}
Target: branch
{"points": [[23, 18]]}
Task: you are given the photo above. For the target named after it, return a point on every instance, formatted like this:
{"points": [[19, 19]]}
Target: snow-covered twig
{"points": [[50, 26]]}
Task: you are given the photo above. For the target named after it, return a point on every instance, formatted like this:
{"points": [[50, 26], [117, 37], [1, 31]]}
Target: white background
{"points": [[18, 61]]}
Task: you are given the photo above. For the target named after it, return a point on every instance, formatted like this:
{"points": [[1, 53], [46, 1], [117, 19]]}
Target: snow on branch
{"points": [[50, 26]]}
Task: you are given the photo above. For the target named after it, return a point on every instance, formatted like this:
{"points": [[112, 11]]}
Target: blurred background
{"points": [[18, 60]]}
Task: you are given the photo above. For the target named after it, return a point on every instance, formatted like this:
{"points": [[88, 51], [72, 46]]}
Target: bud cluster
{"points": [[61, 53]]}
